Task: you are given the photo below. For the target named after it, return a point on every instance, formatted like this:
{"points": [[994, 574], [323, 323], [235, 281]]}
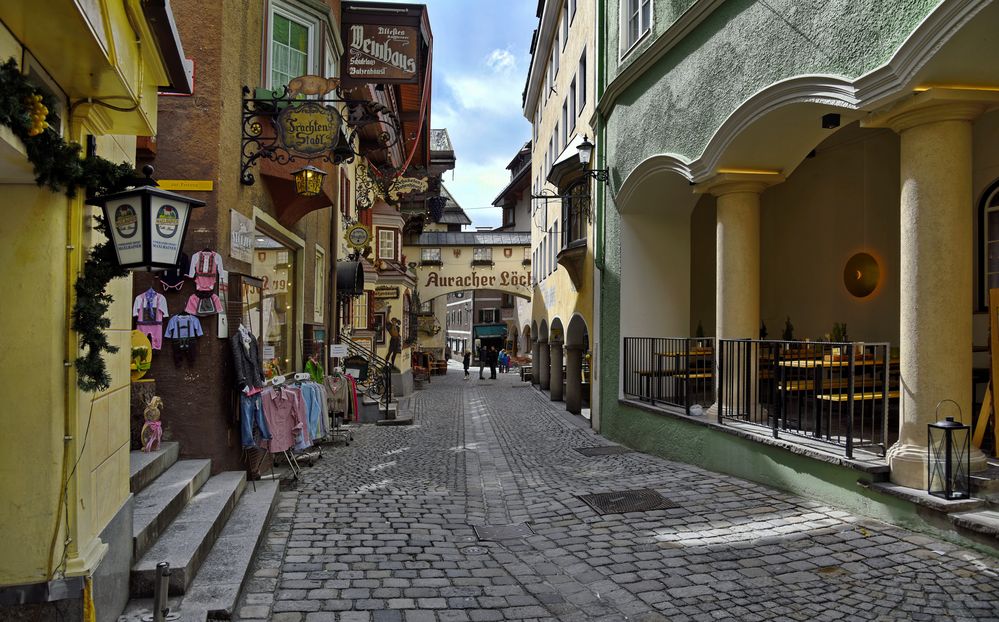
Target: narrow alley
{"points": [[385, 530]]}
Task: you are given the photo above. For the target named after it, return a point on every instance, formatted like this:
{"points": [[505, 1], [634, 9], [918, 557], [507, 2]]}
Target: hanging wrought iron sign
{"points": [[280, 127], [308, 129]]}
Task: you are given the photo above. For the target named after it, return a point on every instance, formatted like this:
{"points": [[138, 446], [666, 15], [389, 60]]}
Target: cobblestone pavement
{"points": [[381, 531]]}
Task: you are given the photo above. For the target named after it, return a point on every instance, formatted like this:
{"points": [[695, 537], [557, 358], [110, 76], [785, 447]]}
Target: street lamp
{"points": [[585, 149], [147, 225], [309, 181]]}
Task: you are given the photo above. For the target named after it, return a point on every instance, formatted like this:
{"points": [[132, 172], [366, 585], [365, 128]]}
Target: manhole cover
{"points": [[474, 550], [606, 450], [502, 532], [621, 502]]}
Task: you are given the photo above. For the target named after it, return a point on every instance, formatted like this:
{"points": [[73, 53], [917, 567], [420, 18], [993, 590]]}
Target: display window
{"points": [[274, 264]]}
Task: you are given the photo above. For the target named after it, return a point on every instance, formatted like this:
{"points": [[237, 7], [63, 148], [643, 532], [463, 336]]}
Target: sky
{"points": [[481, 59]]}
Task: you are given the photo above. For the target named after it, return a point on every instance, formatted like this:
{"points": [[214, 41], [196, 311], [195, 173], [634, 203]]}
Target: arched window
{"points": [[989, 247]]}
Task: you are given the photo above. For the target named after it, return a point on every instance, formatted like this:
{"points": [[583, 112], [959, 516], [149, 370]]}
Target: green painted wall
{"points": [[741, 48]]}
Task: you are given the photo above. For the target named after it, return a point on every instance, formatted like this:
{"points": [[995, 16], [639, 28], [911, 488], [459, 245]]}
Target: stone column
{"points": [[557, 375], [737, 271], [574, 379], [936, 272], [535, 362], [544, 373]]}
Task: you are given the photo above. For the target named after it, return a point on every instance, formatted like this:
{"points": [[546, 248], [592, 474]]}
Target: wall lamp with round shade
{"points": [[861, 275], [309, 181]]}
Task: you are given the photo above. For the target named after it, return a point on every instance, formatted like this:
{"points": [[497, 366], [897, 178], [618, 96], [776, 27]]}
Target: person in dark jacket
{"points": [[493, 359], [467, 362]]}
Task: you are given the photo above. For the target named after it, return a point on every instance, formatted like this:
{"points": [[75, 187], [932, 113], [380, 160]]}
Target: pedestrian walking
{"points": [[493, 358], [467, 362], [483, 356]]}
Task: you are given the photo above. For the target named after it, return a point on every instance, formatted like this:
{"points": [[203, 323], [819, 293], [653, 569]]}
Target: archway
{"points": [[535, 354], [577, 369], [525, 340], [556, 341]]}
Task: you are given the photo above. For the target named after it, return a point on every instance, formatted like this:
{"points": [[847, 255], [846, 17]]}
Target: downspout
{"points": [[600, 131]]}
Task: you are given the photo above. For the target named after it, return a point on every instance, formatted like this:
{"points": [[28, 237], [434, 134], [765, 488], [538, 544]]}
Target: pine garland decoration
{"points": [[59, 166]]}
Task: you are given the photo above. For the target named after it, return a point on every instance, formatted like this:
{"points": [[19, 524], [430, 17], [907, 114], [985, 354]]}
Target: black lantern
{"points": [[585, 150], [309, 181], [949, 459], [147, 225]]}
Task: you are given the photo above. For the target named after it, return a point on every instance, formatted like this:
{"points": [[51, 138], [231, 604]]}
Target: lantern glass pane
{"points": [[125, 219], [169, 221]]}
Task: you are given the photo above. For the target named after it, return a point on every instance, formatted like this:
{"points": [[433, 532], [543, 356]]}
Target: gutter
{"points": [[159, 16]]}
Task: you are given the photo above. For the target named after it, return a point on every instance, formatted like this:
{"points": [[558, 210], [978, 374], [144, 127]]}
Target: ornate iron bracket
{"points": [[262, 132]]}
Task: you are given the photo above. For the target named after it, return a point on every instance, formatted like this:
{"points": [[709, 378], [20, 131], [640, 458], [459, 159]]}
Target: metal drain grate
{"points": [[621, 502], [496, 533], [604, 450]]}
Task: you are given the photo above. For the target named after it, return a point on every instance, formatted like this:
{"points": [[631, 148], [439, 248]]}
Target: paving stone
{"points": [[381, 531]]}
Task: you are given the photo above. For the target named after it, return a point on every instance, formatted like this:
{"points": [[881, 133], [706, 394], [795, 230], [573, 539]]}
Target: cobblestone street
{"points": [[382, 531]]}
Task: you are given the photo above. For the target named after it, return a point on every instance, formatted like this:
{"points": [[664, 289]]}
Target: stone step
{"points": [[144, 467], [984, 522], [187, 541], [159, 503], [217, 586]]}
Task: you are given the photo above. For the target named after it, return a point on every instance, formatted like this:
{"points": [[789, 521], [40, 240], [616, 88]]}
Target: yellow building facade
{"points": [[558, 100], [66, 525]]}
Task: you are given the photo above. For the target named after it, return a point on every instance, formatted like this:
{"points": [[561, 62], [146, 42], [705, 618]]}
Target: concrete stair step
{"points": [[158, 504], [217, 586], [985, 522], [144, 467], [187, 541]]}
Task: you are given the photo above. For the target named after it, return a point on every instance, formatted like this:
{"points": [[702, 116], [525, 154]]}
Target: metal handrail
{"points": [[375, 385]]}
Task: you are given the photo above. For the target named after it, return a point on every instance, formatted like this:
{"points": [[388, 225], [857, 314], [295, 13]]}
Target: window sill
{"points": [[483, 262], [631, 48], [433, 262]]}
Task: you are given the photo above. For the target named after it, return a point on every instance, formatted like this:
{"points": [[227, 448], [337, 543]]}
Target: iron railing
{"points": [[836, 393], [671, 371], [375, 385]]}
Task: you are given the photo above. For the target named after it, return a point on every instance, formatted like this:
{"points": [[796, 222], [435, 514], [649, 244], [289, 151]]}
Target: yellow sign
{"points": [[190, 185], [358, 236]]}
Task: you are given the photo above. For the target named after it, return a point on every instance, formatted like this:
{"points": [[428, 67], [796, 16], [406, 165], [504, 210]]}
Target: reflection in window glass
{"points": [[289, 50], [274, 263]]}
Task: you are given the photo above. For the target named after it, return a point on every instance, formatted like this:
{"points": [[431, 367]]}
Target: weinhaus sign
{"points": [[384, 43]]}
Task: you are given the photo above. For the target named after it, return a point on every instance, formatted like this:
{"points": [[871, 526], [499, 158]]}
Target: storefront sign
{"points": [[507, 278], [338, 350], [240, 237], [358, 236], [385, 292], [380, 53], [407, 185], [308, 128], [189, 185]]}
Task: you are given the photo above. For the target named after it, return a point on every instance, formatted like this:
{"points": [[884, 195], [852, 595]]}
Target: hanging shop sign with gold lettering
{"points": [[381, 53], [308, 129]]}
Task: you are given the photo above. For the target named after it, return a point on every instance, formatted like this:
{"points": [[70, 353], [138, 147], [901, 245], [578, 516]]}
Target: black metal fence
{"points": [[671, 371], [843, 394], [838, 393]]}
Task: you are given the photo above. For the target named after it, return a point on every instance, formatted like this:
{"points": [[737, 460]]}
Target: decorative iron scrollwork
{"points": [[262, 138]]}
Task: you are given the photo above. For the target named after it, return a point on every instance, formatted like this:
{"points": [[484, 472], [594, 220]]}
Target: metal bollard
{"points": [[161, 592]]}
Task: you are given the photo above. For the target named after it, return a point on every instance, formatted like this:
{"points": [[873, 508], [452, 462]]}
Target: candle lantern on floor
{"points": [[949, 458]]}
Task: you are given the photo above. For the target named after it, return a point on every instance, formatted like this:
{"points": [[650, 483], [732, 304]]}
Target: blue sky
{"points": [[481, 58]]}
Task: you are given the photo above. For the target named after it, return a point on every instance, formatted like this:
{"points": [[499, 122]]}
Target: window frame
{"points": [[395, 243], [319, 292], [488, 250], [565, 23], [572, 104], [626, 15], [581, 83], [991, 194], [304, 18], [431, 260]]}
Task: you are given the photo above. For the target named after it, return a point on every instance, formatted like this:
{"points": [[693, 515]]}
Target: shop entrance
{"points": [[274, 264]]}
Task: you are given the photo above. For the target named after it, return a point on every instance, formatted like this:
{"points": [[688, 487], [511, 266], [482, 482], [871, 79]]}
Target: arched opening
{"points": [[535, 354], [556, 343], [577, 365], [544, 356]]}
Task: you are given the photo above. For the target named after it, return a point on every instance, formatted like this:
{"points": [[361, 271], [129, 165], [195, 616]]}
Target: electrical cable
{"points": [[65, 494]]}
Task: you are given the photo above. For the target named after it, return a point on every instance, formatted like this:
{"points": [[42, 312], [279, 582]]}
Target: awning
{"points": [[567, 162], [489, 330]]}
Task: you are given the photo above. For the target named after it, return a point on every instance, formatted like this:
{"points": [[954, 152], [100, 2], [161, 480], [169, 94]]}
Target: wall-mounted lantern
{"points": [[148, 225], [585, 150], [309, 181]]}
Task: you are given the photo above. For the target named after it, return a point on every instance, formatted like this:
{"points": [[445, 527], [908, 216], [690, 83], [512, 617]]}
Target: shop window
{"points": [[430, 256], [387, 244], [320, 285], [638, 20], [292, 44], [989, 252], [274, 264]]}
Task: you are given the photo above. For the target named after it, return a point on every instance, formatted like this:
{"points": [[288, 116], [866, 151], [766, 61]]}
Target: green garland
{"points": [[59, 166]]}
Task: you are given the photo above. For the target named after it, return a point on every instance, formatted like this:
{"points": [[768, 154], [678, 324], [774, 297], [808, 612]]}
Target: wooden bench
{"points": [[438, 368]]}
